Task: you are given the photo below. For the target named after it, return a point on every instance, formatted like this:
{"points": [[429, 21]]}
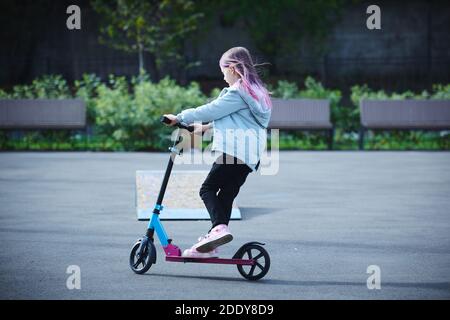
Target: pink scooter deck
{"points": [[211, 260]]}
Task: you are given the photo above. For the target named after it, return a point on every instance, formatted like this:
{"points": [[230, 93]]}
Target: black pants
{"points": [[221, 186]]}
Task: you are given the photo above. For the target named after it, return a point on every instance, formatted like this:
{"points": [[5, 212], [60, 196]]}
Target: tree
{"points": [[278, 26], [152, 26]]}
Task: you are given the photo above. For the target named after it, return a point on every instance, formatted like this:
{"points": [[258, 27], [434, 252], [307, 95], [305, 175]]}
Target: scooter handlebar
{"points": [[166, 120]]}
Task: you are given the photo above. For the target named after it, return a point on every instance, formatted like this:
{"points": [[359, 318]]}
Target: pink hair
{"points": [[239, 58]]}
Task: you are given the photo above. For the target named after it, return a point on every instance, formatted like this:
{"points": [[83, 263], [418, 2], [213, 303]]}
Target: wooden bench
{"points": [[403, 115], [41, 114], [302, 114]]}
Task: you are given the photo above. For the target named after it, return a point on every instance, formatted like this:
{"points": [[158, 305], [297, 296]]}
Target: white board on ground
{"points": [[181, 200]]}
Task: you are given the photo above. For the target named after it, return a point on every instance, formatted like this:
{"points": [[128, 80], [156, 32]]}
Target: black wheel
{"points": [[140, 262], [261, 258]]}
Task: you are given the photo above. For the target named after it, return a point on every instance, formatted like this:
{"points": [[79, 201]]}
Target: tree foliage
{"points": [[278, 26], [155, 27]]}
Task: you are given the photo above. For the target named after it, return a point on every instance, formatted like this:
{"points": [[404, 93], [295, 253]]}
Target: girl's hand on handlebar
{"points": [[198, 127], [172, 118]]}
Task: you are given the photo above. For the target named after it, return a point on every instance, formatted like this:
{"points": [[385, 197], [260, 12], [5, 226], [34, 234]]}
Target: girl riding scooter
{"points": [[239, 118]]}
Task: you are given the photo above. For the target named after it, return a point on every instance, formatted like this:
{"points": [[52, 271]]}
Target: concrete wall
{"points": [[411, 50]]}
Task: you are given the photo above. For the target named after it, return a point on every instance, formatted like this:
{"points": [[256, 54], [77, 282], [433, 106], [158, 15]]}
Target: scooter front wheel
{"points": [[142, 256], [261, 258]]}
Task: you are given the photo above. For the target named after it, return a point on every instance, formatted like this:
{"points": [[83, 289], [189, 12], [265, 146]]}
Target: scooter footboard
{"points": [[242, 262]]}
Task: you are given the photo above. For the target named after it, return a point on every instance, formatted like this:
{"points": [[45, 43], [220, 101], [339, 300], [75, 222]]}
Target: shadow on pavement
{"points": [[251, 212], [417, 285]]}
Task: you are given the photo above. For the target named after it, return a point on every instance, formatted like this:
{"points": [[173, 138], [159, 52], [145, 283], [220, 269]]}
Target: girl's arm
{"points": [[198, 127], [224, 105]]}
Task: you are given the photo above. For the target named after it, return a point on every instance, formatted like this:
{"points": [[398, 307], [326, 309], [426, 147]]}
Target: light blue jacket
{"points": [[239, 123]]}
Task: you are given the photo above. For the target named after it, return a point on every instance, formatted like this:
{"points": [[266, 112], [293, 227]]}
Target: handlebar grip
{"points": [[166, 120]]}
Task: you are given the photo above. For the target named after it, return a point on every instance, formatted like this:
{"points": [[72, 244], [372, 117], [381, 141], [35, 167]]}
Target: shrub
{"points": [[129, 115], [45, 87], [126, 114], [285, 90], [86, 89], [440, 91]]}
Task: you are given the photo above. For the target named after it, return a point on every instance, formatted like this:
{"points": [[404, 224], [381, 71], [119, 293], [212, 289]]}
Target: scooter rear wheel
{"points": [[140, 263], [261, 258]]}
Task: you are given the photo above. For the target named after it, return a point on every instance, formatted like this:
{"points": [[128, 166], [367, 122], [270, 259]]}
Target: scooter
{"points": [[251, 259]]}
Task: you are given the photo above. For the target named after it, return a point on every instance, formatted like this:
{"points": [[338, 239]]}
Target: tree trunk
{"points": [[141, 59]]}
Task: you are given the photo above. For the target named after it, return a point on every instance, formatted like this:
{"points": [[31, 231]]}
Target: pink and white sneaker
{"points": [[193, 253], [219, 235]]}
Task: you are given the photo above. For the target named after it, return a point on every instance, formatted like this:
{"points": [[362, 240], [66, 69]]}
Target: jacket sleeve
{"points": [[224, 105]]}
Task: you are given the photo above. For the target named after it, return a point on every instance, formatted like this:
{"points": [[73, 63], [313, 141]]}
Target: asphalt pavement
{"points": [[327, 218]]}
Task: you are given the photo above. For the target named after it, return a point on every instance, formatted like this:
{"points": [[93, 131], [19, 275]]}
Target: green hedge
{"points": [[124, 114], [346, 119]]}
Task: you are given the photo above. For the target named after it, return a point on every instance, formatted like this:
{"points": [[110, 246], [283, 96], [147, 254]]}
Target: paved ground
{"points": [[326, 216]]}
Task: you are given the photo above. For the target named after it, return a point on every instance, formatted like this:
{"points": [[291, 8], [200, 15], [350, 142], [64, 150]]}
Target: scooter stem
{"points": [[165, 181]]}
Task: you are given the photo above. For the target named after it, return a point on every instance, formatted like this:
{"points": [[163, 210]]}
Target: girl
{"points": [[239, 117]]}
